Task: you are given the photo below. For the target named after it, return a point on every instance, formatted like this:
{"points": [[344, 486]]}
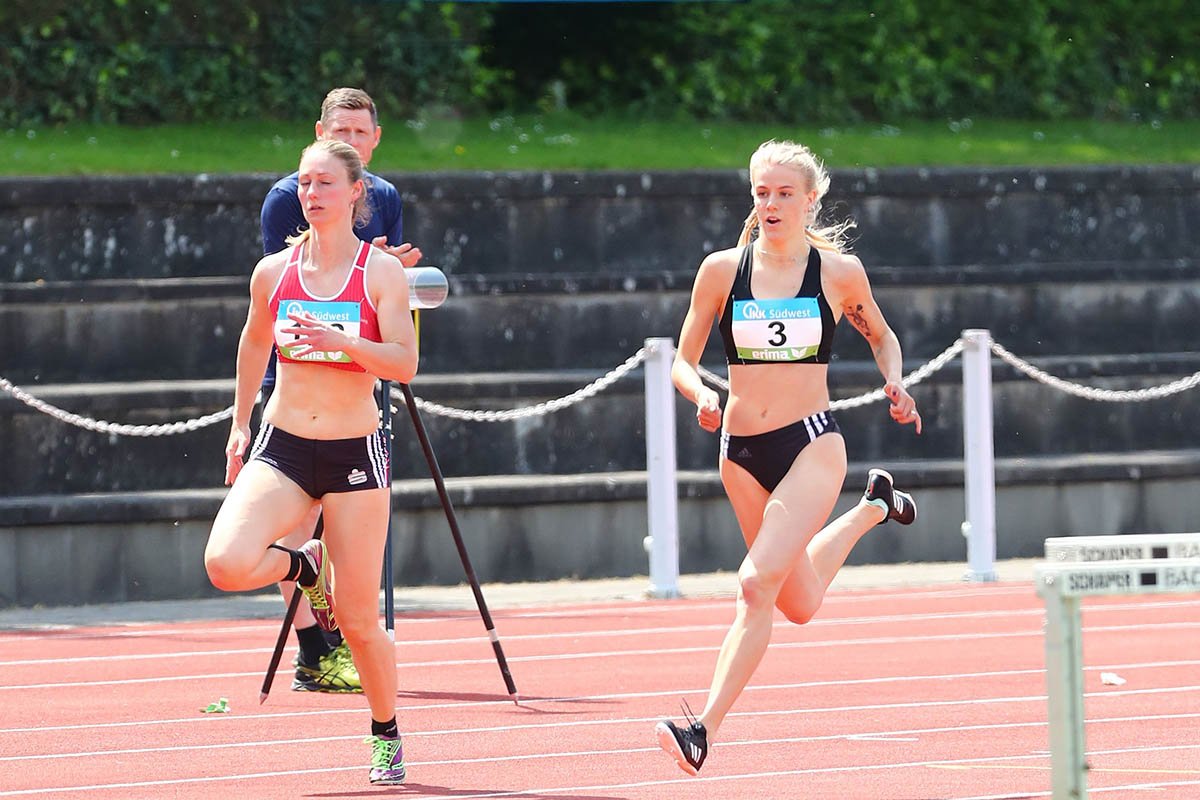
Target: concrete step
{"points": [[188, 329], [503, 223], [602, 434], [122, 546]]}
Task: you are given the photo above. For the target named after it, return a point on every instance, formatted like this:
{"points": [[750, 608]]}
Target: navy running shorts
{"points": [[324, 466]]}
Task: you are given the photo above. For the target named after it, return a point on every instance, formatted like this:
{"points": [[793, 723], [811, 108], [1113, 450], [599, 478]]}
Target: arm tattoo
{"points": [[857, 319]]}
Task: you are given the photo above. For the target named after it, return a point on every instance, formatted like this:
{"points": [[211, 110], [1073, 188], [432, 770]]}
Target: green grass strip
{"points": [[565, 141]]}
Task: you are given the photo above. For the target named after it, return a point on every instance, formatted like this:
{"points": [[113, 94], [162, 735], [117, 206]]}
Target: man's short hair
{"points": [[346, 97]]}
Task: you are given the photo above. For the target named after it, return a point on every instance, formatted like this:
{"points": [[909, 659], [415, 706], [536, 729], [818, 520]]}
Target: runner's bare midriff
{"points": [[317, 402], [764, 397]]}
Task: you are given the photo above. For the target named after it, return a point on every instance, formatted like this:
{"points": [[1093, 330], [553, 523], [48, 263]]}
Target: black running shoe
{"points": [[688, 745], [899, 505]]}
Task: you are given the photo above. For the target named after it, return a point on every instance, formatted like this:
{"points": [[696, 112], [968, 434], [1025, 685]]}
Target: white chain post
{"points": [[662, 499], [979, 456]]}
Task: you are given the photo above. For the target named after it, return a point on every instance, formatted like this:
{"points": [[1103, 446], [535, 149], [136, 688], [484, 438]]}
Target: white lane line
{"points": [[969, 676], [476, 732], [901, 619], [710, 778], [32, 631], [874, 641], [882, 737]]}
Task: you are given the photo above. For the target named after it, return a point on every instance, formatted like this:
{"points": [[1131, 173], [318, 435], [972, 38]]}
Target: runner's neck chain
{"points": [[795, 258]]}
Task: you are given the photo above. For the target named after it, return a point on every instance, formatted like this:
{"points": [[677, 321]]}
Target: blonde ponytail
{"points": [[298, 238], [748, 229]]}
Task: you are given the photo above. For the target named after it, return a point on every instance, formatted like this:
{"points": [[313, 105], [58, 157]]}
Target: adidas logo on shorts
{"points": [[356, 477]]}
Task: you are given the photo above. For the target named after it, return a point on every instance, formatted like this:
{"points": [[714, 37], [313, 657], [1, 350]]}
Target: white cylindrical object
{"points": [[1064, 690], [979, 456], [427, 287], [661, 488]]}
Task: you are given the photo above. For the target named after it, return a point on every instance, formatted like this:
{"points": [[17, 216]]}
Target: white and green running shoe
{"points": [[334, 672], [318, 594], [387, 759]]}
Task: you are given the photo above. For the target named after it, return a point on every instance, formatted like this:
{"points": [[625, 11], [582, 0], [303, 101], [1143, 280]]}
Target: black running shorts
{"points": [[324, 466], [768, 456]]}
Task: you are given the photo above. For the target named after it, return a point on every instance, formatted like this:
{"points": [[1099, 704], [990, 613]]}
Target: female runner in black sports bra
{"points": [[778, 298]]}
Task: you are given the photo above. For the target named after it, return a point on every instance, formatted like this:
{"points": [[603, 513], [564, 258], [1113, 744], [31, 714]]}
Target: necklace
{"points": [[789, 256]]}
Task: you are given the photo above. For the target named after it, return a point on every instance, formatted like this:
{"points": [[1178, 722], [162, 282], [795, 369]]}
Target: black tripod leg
{"points": [[436, 472]]}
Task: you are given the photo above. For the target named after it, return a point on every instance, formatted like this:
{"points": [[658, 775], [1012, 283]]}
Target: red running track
{"points": [[910, 694]]}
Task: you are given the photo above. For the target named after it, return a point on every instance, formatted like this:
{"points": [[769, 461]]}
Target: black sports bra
{"points": [[792, 330]]}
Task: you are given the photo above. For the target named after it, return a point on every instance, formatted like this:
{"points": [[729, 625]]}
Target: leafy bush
{"points": [[848, 60], [821, 61], [193, 60]]}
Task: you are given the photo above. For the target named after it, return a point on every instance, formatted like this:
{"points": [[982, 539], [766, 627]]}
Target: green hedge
{"points": [[818, 61], [847, 60], [195, 60]]}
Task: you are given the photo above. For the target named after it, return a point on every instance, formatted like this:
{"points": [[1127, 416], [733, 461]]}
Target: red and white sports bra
{"points": [[350, 309]]}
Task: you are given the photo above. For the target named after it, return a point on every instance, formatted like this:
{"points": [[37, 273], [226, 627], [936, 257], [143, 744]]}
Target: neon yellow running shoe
{"points": [[334, 672], [387, 759]]}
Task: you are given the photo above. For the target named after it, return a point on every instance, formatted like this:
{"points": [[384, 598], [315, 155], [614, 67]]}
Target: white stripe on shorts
{"points": [[378, 458], [260, 443], [818, 423]]}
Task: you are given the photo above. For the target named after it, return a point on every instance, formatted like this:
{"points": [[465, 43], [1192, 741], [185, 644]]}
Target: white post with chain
{"points": [[979, 456], [662, 495]]}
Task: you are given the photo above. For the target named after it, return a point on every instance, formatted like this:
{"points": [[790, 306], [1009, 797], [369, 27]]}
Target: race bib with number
{"points": [[777, 330], [343, 316]]}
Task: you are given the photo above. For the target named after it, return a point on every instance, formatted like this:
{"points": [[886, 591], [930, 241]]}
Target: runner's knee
{"points": [[801, 612], [755, 589], [226, 570], [357, 622]]}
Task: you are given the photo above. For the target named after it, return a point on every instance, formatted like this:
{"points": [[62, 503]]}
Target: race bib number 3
{"points": [[343, 316], [777, 330]]}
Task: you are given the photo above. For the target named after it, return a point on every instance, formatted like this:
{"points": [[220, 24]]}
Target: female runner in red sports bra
{"points": [[777, 298], [337, 310]]}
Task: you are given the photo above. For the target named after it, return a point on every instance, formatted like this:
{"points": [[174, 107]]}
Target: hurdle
{"points": [[1129, 547], [1092, 566]]}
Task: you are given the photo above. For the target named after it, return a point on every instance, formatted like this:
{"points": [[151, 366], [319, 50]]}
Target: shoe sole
{"points": [[670, 745], [877, 471], [912, 504], [300, 687], [389, 781]]}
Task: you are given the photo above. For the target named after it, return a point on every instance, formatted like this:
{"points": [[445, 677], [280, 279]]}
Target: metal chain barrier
{"points": [[101, 426], [602, 383], [593, 388], [913, 378], [1090, 392]]}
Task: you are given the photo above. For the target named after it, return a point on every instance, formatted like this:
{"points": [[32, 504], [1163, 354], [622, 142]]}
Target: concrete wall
{"points": [[92, 549], [187, 329], [619, 222]]}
